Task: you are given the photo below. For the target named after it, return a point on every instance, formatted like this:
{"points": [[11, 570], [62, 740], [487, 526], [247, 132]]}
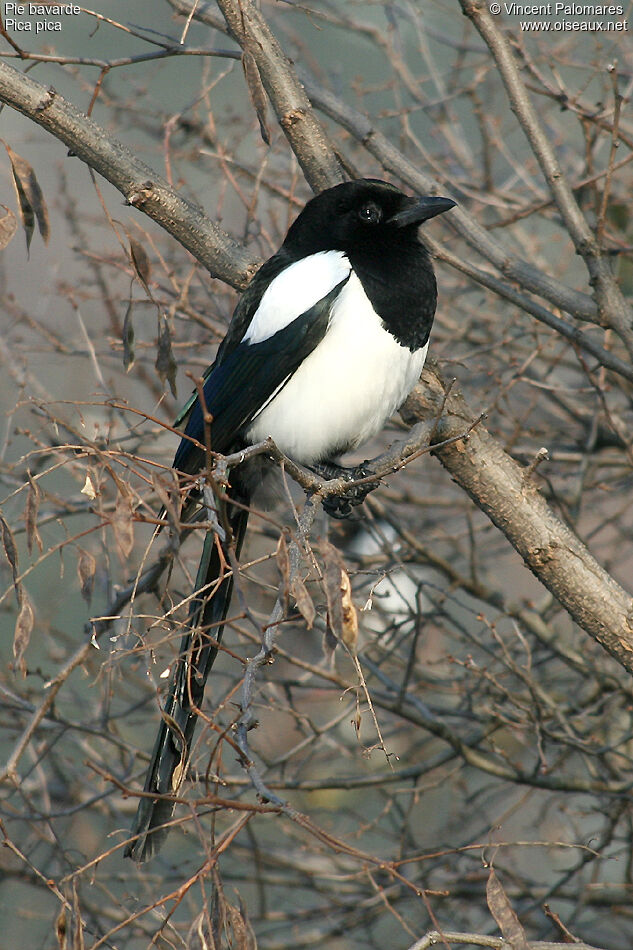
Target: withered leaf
{"points": [[256, 92], [178, 776], [342, 615], [243, 934], [30, 198], [332, 577], [503, 913], [140, 262], [30, 516], [128, 338], [61, 929], [8, 227], [349, 631], [78, 927], [302, 599], [11, 552], [89, 488], [23, 630], [123, 524], [165, 364], [86, 570]]}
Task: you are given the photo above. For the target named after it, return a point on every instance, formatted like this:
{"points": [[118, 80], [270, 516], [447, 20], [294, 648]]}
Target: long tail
{"points": [[172, 748]]}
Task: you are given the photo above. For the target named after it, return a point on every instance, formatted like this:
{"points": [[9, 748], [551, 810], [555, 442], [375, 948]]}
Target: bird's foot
{"points": [[341, 506]]}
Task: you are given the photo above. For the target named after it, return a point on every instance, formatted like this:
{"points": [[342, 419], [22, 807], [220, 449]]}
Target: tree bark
{"points": [[506, 492], [138, 182]]}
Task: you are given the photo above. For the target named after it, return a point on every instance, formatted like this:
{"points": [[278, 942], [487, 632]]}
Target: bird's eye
{"points": [[370, 213]]}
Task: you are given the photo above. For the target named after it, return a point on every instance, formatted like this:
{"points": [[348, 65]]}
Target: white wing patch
{"points": [[294, 291], [345, 389]]}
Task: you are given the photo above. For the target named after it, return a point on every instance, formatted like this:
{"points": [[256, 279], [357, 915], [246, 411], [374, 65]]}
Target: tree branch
{"points": [[141, 186], [506, 494], [612, 307], [364, 130], [436, 939], [292, 107]]}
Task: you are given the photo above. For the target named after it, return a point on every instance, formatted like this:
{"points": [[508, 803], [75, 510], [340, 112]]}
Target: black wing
{"points": [[247, 377], [240, 321]]}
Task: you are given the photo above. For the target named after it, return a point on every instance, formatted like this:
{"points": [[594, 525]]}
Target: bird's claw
{"points": [[341, 506]]}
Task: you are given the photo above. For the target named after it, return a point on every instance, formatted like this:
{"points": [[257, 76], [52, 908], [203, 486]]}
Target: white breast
{"points": [[346, 389]]}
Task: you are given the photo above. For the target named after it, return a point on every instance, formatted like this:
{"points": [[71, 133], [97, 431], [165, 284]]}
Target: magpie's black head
{"points": [[355, 216]]}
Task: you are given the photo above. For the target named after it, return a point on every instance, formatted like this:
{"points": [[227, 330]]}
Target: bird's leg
{"points": [[340, 506]]}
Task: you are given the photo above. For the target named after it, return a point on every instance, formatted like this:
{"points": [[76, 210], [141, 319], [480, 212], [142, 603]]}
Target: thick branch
{"points": [[393, 160], [499, 487], [436, 939], [141, 186], [566, 329], [506, 493], [283, 87], [292, 107], [611, 304]]}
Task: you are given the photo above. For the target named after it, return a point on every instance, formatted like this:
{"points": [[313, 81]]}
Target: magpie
{"points": [[326, 342]]}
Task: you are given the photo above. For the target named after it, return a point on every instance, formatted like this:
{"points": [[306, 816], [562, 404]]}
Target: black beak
{"points": [[421, 209]]}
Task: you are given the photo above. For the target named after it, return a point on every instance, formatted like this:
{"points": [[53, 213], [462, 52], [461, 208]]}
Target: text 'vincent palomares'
{"points": [[564, 9]]}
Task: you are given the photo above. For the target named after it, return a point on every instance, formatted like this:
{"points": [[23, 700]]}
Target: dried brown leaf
{"points": [[349, 631], [61, 929], [165, 364], [303, 601], [8, 227], [30, 516], [243, 935], [140, 263], [86, 570], [502, 911], [30, 198], [11, 552], [342, 615], [128, 338], [123, 524], [257, 93], [332, 578], [23, 630]]}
